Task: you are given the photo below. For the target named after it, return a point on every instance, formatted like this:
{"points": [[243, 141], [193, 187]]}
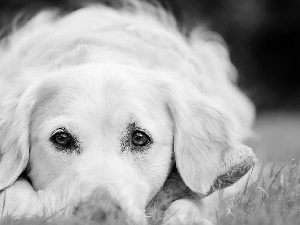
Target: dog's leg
{"points": [[176, 204], [20, 199], [191, 212], [203, 211]]}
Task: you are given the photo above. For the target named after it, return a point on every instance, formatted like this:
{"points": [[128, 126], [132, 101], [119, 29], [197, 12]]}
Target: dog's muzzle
{"points": [[102, 209]]}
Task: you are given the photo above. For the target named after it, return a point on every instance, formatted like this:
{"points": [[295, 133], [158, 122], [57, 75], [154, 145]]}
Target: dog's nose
{"points": [[102, 209]]}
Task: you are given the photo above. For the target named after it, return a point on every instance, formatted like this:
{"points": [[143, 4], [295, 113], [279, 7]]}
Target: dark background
{"points": [[263, 38]]}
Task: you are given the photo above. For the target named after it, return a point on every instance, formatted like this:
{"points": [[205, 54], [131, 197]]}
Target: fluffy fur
{"points": [[101, 74]]}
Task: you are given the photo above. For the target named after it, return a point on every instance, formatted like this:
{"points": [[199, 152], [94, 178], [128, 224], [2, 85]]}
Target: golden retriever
{"points": [[116, 105]]}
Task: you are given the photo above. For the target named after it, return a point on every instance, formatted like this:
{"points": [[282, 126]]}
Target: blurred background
{"points": [[263, 37]]}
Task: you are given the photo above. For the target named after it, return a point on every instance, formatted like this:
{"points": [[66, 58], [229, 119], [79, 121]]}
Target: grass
{"points": [[273, 199]]}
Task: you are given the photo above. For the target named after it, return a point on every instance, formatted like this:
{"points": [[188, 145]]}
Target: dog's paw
{"points": [[186, 212], [20, 199]]}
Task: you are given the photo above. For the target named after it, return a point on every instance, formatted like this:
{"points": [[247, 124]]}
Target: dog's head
{"points": [[116, 129]]}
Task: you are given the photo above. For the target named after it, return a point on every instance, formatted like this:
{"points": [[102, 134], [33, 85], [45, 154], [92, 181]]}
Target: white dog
{"points": [[119, 105]]}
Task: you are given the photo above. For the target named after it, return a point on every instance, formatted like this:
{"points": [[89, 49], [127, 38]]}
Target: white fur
{"points": [[93, 72]]}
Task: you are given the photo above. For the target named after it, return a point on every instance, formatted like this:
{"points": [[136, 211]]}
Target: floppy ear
{"points": [[208, 153], [14, 138]]}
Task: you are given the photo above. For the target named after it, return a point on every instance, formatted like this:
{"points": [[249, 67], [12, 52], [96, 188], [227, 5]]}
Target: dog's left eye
{"points": [[140, 138], [64, 141]]}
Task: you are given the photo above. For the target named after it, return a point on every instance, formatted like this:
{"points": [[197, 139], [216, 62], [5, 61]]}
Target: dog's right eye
{"points": [[64, 141]]}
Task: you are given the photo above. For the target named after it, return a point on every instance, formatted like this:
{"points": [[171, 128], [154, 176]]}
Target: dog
{"points": [[117, 105]]}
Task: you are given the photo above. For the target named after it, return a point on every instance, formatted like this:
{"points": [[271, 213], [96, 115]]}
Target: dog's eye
{"points": [[62, 138], [139, 138], [135, 140], [64, 141]]}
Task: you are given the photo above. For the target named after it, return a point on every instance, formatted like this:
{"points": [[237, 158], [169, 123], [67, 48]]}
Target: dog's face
{"points": [[104, 125], [117, 130]]}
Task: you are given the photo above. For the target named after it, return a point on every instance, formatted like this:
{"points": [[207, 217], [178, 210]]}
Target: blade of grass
{"points": [[272, 170], [290, 187], [254, 183], [268, 190], [3, 205], [248, 179], [248, 202], [171, 216]]}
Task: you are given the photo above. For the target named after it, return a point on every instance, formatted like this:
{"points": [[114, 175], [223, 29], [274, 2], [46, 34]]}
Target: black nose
{"points": [[102, 209]]}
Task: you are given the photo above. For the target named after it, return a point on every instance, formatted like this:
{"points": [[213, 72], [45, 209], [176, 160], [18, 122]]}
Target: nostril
{"points": [[101, 208]]}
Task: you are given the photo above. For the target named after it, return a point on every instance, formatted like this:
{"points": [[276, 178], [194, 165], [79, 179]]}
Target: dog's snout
{"points": [[102, 209]]}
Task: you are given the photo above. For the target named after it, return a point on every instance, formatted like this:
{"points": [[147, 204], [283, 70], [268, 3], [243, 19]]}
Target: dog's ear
{"points": [[208, 153], [14, 137]]}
